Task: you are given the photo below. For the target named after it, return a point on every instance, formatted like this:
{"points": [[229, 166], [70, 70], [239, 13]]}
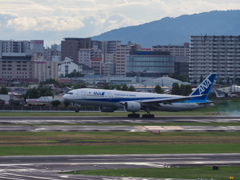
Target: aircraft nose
{"points": [[65, 96]]}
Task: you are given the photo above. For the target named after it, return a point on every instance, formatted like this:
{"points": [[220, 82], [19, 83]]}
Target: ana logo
{"points": [[99, 93], [205, 85]]}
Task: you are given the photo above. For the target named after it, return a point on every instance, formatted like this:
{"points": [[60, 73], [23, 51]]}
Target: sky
{"points": [[53, 20]]}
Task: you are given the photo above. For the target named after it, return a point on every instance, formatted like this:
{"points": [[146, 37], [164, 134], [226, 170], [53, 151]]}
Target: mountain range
{"points": [[177, 30]]}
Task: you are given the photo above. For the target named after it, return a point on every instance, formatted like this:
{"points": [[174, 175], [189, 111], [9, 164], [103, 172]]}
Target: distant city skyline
{"points": [[53, 20]]}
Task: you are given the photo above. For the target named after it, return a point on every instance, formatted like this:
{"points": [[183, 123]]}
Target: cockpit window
{"points": [[70, 93]]}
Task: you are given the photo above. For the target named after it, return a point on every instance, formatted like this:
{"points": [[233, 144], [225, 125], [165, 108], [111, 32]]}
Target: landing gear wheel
{"points": [[134, 115], [148, 116]]}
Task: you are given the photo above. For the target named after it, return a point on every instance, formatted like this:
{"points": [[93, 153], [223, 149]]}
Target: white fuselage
{"points": [[116, 99]]}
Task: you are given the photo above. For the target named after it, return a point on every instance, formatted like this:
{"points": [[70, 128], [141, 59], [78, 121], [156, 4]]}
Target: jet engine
{"points": [[132, 106], [107, 109]]}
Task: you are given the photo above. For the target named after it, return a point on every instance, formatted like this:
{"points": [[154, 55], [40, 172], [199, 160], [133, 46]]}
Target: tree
{"points": [[106, 86], [131, 88], [43, 88], [48, 93], [124, 87], [3, 90], [188, 89], [74, 74], [182, 89], [175, 89], [66, 103], [78, 86], [56, 103], [32, 93], [158, 89], [118, 87]]}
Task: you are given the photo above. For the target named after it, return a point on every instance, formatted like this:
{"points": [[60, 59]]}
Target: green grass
{"points": [[205, 172], [117, 149], [226, 108]]}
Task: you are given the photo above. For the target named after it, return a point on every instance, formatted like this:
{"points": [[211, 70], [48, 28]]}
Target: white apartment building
{"points": [[11, 46], [215, 54], [174, 49], [67, 66], [84, 57]]}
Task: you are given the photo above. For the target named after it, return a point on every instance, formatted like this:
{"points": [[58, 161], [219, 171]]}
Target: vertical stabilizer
{"points": [[205, 87]]}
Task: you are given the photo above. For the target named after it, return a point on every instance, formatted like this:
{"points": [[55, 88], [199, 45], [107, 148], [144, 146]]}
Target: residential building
{"points": [[96, 65], [121, 52], [84, 57], [11, 46], [52, 54], [68, 66], [174, 49], [96, 50], [45, 70], [71, 46], [149, 64], [17, 68], [109, 49], [215, 54]]}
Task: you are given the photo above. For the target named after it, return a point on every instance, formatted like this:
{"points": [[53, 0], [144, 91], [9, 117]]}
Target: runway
{"points": [[117, 120], [48, 167], [82, 124]]}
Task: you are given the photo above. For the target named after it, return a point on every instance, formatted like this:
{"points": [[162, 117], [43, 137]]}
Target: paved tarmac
{"points": [[38, 128], [64, 124], [48, 167], [117, 120]]}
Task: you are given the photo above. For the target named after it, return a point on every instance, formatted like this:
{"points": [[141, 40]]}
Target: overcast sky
{"points": [[53, 20]]}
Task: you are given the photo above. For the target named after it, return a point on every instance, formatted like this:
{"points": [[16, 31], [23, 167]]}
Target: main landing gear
{"points": [[148, 115], [134, 115]]}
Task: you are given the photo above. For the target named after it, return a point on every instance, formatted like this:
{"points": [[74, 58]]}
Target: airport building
{"points": [[215, 54]]}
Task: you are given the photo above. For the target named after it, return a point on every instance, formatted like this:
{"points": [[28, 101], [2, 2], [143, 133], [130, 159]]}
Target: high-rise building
{"points": [[174, 49], [71, 46], [121, 53], [11, 46], [215, 54], [18, 68], [84, 57]]}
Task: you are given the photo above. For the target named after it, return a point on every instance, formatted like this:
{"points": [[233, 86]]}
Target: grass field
{"points": [[80, 143], [206, 172], [225, 108]]}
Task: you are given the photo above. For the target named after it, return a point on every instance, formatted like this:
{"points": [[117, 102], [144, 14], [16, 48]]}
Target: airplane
{"points": [[111, 100]]}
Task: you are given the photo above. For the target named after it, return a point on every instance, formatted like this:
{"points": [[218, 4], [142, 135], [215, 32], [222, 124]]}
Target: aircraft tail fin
{"points": [[205, 87]]}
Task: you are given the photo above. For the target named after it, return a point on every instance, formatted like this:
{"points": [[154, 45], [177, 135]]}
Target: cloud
{"points": [[61, 18], [45, 23]]}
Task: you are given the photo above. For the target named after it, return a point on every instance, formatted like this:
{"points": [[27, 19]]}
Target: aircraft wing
{"points": [[169, 100]]}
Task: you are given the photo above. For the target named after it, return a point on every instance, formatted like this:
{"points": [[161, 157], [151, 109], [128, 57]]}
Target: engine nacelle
{"points": [[107, 109], [132, 106]]}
